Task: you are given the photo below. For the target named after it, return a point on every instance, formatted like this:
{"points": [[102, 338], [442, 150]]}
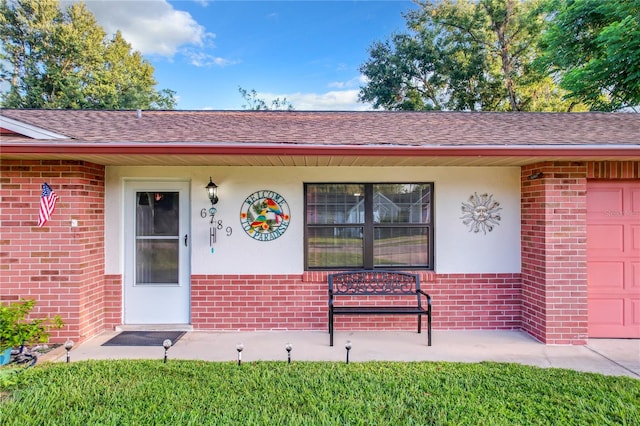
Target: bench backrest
{"points": [[374, 283]]}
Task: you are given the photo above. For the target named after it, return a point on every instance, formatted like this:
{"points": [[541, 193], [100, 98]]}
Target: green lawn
{"points": [[126, 392]]}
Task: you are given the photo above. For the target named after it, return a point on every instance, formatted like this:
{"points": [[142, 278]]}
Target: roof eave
{"points": [[29, 130], [42, 148]]}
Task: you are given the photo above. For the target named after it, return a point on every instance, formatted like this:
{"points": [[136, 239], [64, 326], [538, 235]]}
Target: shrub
{"points": [[17, 330]]}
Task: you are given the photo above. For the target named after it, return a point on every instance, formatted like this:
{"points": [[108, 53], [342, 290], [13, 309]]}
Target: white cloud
{"points": [[335, 100], [354, 82], [202, 59], [153, 27]]}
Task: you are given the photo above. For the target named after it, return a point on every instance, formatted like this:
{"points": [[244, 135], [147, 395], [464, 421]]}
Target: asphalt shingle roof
{"points": [[335, 128]]}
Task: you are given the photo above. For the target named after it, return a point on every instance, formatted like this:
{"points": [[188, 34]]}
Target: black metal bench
{"points": [[371, 285]]}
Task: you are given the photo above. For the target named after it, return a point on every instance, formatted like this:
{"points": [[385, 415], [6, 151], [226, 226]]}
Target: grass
{"points": [[180, 392]]}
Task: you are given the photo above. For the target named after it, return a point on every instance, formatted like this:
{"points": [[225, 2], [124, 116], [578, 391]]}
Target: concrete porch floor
{"points": [[619, 357]]}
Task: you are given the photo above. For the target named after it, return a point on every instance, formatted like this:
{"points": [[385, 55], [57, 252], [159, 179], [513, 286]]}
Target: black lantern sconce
{"points": [[212, 191]]}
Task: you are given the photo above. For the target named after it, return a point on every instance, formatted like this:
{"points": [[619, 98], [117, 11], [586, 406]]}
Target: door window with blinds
{"points": [[157, 238], [369, 226]]}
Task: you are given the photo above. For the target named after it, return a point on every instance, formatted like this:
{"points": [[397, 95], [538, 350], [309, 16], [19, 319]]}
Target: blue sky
{"points": [[308, 52]]}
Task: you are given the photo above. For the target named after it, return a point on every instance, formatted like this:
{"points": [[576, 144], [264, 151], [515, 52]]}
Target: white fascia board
{"points": [[28, 130]]}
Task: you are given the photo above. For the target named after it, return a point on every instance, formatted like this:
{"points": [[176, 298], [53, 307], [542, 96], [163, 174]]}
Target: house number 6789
{"points": [[212, 213], [228, 229], [213, 231]]}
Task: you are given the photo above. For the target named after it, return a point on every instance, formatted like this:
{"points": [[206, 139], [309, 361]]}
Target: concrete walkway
{"points": [[618, 357]]}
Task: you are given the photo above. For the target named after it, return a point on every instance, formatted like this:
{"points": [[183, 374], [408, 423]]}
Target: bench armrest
{"points": [[420, 291]]}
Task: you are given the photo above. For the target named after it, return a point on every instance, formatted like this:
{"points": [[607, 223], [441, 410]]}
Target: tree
{"points": [[256, 104], [463, 55], [63, 59], [593, 46]]}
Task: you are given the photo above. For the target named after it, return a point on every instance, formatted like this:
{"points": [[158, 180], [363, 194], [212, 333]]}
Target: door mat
{"points": [[144, 338]]}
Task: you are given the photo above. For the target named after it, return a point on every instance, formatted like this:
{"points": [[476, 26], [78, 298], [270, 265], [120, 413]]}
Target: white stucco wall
{"points": [[457, 250]]}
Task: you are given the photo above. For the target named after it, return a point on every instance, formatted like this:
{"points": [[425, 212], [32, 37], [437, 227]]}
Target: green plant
{"points": [[16, 329]]}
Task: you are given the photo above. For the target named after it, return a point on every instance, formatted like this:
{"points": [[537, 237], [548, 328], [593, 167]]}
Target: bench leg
{"points": [[419, 323], [330, 328], [429, 328]]}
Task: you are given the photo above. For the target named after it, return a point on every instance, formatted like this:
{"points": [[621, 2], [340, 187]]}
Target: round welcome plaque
{"points": [[265, 215]]}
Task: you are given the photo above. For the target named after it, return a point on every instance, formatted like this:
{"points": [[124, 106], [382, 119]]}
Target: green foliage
{"points": [[594, 47], [8, 376], [463, 55], [307, 393], [256, 104], [55, 58], [17, 328]]}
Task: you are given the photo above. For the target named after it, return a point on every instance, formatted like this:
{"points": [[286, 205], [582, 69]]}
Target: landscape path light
{"points": [[347, 346], [166, 345], [288, 347], [239, 348], [67, 346]]}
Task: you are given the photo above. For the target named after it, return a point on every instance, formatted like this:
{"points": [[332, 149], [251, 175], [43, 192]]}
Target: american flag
{"points": [[47, 204]]}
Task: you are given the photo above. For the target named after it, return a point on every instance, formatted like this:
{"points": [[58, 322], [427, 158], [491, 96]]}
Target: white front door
{"points": [[157, 241]]}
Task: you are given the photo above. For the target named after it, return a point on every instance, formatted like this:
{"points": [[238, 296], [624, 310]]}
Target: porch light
{"points": [[212, 191], [288, 347], [67, 346], [166, 345], [347, 346], [239, 348], [535, 176]]}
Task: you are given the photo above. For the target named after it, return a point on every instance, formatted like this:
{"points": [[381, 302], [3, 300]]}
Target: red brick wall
{"points": [[613, 170], [257, 302], [533, 253], [299, 302], [60, 266], [113, 301], [554, 255]]}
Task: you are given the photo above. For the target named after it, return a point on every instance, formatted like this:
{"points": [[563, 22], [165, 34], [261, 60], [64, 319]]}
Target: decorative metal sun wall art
{"points": [[481, 213]]}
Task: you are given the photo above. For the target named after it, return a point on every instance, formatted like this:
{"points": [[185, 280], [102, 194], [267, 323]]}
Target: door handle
{"points": [[186, 239]]}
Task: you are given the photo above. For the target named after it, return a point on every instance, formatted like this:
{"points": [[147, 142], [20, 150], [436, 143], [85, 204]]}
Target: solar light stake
{"points": [[68, 345], [347, 346], [288, 347], [166, 345], [239, 348]]}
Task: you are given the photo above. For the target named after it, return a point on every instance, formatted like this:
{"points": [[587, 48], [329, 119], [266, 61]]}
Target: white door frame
{"points": [[166, 303]]}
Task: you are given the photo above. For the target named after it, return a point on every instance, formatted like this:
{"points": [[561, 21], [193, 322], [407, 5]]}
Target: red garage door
{"points": [[613, 258]]}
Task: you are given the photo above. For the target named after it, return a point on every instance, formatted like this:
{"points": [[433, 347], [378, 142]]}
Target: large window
{"points": [[368, 226]]}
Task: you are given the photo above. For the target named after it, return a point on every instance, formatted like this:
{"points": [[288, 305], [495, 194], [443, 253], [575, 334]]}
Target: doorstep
{"points": [[154, 327]]}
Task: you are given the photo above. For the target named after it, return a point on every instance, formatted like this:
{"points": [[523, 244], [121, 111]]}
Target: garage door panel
{"points": [[632, 279], [635, 202], [606, 311], [604, 200], [635, 312], [635, 239], [606, 238], [613, 258], [605, 275], [614, 317]]}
